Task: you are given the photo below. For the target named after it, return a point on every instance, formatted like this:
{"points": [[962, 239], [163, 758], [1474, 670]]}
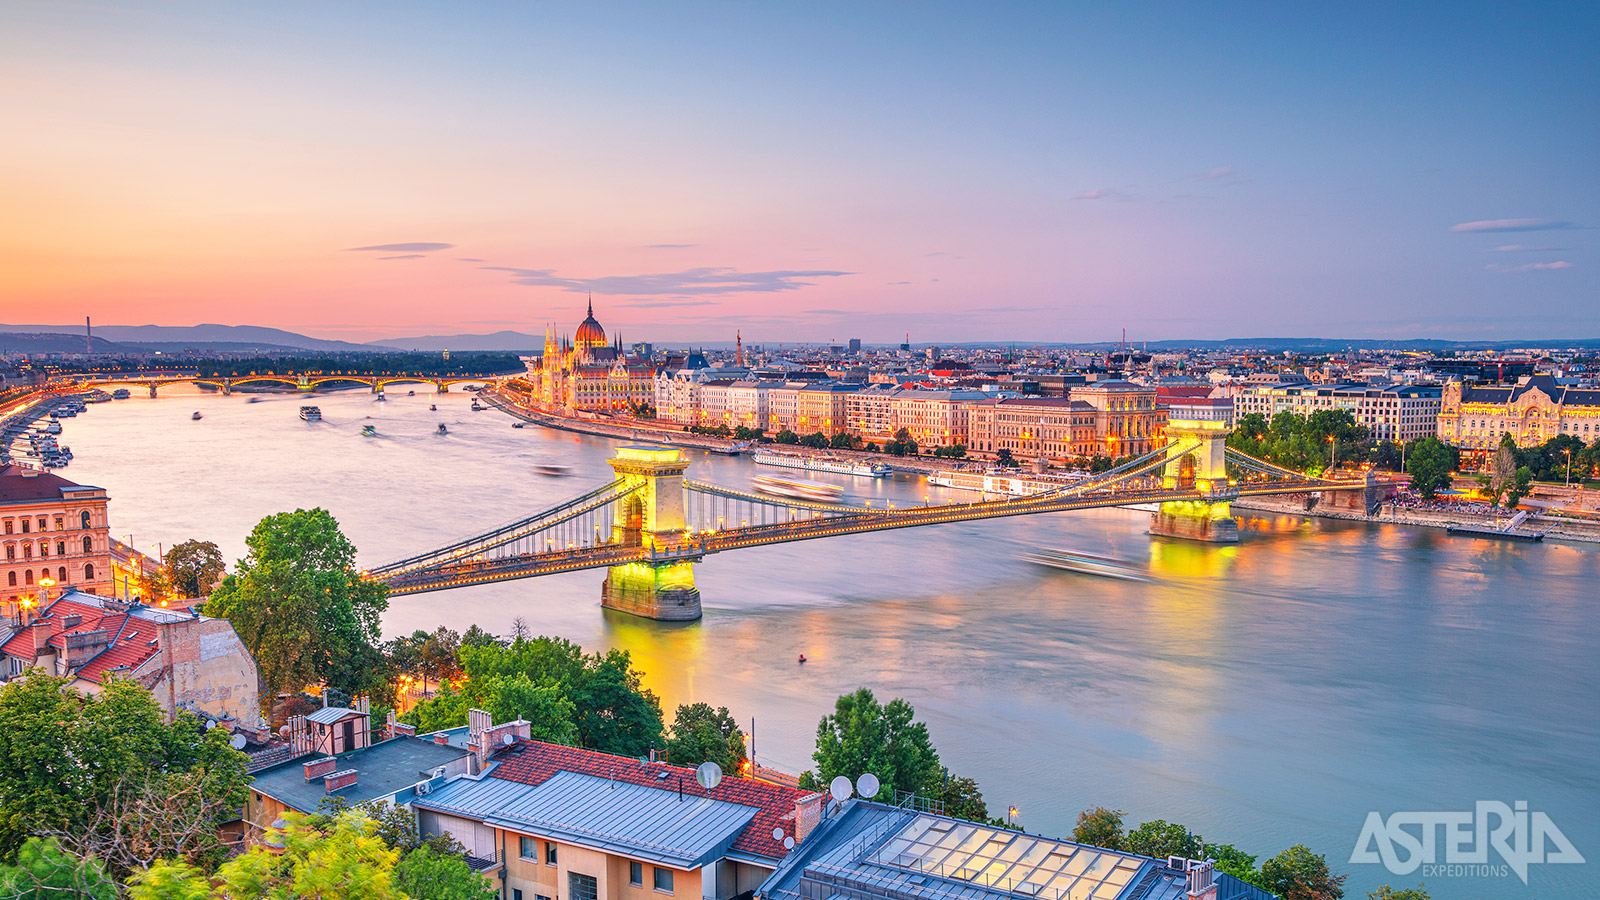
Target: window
{"points": [[24, 526], [61, 548], [662, 878], [11, 579], [43, 522], [88, 544], [63, 573], [88, 571], [27, 576], [635, 873], [58, 523], [549, 853], [85, 519], [582, 887], [8, 526], [529, 848], [516, 894]]}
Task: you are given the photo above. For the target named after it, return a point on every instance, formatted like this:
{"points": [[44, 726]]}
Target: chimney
{"points": [[41, 639], [320, 767], [338, 781], [1202, 880], [401, 728], [441, 739], [807, 814]]}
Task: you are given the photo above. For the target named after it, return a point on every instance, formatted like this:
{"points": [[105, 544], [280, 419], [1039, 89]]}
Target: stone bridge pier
{"points": [[1205, 470], [651, 517]]}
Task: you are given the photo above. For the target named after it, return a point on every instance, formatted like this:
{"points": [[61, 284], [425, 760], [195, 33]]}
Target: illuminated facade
{"points": [[1127, 421], [1056, 430], [1532, 411], [51, 529], [588, 374]]}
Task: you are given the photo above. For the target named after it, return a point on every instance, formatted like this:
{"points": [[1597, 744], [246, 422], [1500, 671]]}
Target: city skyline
{"points": [[805, 176]]}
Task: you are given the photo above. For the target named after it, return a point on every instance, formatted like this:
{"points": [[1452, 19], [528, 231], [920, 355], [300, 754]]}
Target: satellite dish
{"points": [[210, 724], [438, 772], [777, 834], [867, 785], [709, 774], [788, 843], [237, 742], [507, 740], [840, 788]]}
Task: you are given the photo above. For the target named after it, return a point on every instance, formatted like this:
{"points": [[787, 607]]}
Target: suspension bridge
{"points": [[650, 525]]}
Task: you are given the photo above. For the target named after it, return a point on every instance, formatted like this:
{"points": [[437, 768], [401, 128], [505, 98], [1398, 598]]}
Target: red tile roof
{"points": [[539, 761], [17, 487], [129, 642]]}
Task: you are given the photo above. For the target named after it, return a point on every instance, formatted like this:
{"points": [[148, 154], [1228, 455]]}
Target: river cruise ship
{"points": [[830, 464], [311, 413], [1008, 483]]}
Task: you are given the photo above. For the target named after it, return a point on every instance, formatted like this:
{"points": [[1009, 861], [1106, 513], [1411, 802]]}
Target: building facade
{"points": [[1532, 411], [588, 374], [1389, 413], [1127, 420], [1056, 430], [51, 529]]}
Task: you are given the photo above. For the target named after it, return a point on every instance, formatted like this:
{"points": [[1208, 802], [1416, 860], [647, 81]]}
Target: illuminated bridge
{"points": [[651, 525], [304, 382]]}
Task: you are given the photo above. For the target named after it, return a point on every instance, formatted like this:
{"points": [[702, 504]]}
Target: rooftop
{"points": [[648, 822], [384, 768], [534, 762], [22, 485]]}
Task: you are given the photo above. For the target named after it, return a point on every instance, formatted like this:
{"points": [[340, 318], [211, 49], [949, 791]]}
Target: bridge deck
{"points": [[695, 546]]}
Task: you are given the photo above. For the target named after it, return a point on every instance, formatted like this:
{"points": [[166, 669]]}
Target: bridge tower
{"points": [[303, 384], [1203, 469], [651, 517]]}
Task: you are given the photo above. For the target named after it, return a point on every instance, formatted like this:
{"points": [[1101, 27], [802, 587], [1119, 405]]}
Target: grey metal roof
{"points": [[383, 769], [629, 819], [331, 714], [868, 850]]}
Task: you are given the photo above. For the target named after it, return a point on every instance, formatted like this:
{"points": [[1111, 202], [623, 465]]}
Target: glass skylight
{"points": [[1007, 860]]}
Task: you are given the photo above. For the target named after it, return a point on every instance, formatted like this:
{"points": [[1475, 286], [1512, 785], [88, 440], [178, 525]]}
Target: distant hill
{"points": [[231, 337], [500, 340], [51, 342]]}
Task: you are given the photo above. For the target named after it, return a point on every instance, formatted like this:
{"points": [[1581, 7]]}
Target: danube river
{"points": [[1264, 694]]}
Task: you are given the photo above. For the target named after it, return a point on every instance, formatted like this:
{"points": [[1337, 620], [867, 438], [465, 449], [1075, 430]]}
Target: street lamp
{"points": [[1568, 451], [45, 584], [1332, 448]]}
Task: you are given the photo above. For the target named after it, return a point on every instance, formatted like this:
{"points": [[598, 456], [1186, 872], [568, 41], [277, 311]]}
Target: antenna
{"points": [[709, 775], [867, 785], [840, 788]]}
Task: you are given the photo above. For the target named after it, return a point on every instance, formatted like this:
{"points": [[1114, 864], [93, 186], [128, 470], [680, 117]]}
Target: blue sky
{"points": [[807, 171]]}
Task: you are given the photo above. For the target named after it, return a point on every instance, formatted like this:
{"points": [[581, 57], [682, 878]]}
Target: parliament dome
{"points": [[590, 334]]}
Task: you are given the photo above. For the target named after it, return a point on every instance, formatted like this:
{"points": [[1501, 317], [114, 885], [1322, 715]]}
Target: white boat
{"points": [[830, 464], [552, 469], [53, 428], [1009, 483], [1086, 564], [120, 394], [476, 406], [442, 429], [796, 488], [197, 417], [311, 413], [369, 431]]}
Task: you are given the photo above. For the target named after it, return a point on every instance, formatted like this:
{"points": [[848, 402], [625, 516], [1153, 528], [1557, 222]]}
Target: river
{"points": [[1263, 694]]}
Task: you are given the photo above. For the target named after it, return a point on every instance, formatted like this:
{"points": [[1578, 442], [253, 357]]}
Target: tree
{"points": [[438, 656], [1521, 481], [954, 451], [1162, 839], [702, 734], [844, 440], [1299, 874], [1235, 862], [786, 437], [961, 797], [345, 862], [477, 637], [816, 440], [438, 876], [1504, 467], [551, 716], [110, 775], [46, 871], [300, 606], [1430, 462], [863, 736], [194, 567], [1388, 893], [902, 445], [1100, 827], [1004, 457]]}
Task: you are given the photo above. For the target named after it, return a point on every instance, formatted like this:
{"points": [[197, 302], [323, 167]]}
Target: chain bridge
{"points": [[651, 525]]}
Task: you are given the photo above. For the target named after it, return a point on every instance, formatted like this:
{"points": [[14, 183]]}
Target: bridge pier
{"points": [[227, 389], [1204, 470], [651, 517], [441, 388], [152, 390]]}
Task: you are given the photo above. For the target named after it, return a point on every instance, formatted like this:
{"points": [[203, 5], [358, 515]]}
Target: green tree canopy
{"points": [[1299, 874], [1388, 893], [702, 734], [600, 695], [1430, 462], [301, 607], [193, 568], [46, 871], [1100, 827], [1162, 839], [864, 736], [107, 770], [439, 876]]}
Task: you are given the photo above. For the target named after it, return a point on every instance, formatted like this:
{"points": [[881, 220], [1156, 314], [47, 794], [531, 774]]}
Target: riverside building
{"points": [[1532, 411], [51, 530], [1389, 413], [588, 374]]}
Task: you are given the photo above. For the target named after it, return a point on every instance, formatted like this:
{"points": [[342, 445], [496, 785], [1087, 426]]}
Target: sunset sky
{"points": [[805, 171]]}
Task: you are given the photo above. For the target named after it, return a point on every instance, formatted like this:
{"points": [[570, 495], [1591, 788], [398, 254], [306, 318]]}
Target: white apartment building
{"points": [[1390, 413]]}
